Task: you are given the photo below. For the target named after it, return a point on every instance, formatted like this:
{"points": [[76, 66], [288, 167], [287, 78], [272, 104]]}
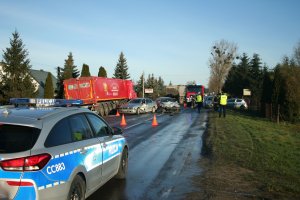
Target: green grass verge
{"points": [[271, 151]]}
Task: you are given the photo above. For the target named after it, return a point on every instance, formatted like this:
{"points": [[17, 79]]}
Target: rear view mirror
{"points": [[117, 131]]}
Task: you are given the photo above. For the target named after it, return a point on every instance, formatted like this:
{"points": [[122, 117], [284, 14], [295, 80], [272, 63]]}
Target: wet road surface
{"points": [[162, 159]]}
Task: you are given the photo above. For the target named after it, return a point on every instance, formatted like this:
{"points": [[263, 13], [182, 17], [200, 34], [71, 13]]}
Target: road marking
{"points": [[166, 194]]}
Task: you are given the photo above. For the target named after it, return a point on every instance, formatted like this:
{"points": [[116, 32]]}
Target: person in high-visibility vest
{"points": [[223, 103], [199, 102]]}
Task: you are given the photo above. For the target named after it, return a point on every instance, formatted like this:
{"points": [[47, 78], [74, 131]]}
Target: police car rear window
{"points": [[14, 139]]}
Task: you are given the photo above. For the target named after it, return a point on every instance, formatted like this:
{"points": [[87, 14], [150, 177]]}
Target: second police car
{"points": [[57, 153]]}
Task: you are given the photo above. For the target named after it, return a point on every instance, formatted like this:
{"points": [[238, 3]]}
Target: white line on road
{"points": [[133, 125]]}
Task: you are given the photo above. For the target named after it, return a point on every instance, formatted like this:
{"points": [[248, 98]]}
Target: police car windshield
{"points": [[17, 138]]}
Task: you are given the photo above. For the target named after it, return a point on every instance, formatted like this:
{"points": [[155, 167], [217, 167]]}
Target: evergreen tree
{"points": [[121, 70], [85, 72], [256, 79], [139, 86], [59, 84], [16, 78], [102, 72], [161, 87], [70, 70], [238, 78], [49, 91]]}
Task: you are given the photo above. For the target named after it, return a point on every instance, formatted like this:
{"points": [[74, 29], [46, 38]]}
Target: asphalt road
{"points": [[162, 159]]}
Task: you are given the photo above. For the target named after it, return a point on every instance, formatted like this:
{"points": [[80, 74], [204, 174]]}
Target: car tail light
{"points": [[31, 163]]}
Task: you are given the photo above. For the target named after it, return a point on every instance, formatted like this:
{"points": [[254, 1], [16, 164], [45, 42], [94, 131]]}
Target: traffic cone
{"points": [[154, 121], [118, 114], [123, 121]]}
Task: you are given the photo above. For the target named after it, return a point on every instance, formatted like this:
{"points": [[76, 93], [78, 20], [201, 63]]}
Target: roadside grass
{"points": [[268, 153]]}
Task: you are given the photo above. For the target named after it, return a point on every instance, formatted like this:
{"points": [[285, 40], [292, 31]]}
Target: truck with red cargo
{"points": [[190, 93], [98, 93]]}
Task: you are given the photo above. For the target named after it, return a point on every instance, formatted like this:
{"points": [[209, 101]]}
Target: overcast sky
{"points": [[169, 38]]}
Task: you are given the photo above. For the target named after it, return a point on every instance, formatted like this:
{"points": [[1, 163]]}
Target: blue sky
{"points": [[169, 38]]}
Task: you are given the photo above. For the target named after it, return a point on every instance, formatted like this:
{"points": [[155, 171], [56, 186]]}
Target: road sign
{"points": [[148, 90], [246, 92]]}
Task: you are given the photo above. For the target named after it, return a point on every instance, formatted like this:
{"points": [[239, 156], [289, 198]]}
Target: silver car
{"points": [[237, 103], [167, 104], [137, 106], [208, 102], [57, 153]]}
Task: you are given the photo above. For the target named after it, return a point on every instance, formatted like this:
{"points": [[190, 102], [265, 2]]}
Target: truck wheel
{"points": [[122, 171], [106, 112], [101, 110], [109, 107], [77, 189]]}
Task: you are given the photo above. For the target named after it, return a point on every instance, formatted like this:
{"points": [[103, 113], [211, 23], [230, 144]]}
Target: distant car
{"points": [[237, 103], [57, 153], [138, 106], [209, 102], [167, 104]]}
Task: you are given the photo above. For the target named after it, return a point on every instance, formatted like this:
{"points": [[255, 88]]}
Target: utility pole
{"points": [[143, 83]]}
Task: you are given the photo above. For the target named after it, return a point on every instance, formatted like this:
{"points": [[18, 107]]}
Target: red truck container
{"points": [[98, 93]]}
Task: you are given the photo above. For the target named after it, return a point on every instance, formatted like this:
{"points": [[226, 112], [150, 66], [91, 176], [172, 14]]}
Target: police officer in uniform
{"points": [[223, 103], [199, 102]]}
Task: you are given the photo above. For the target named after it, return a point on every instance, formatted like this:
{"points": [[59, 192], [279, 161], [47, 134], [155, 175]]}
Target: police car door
{"points": [[110, 146], [75, 150]]}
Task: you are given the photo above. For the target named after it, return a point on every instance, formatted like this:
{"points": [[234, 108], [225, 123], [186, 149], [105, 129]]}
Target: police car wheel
{"points": [[77, 189], [122, 171]]}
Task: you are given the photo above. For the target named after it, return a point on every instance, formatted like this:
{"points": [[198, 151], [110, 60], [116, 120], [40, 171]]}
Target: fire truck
{"points": [[190, 93], [99, 94]]}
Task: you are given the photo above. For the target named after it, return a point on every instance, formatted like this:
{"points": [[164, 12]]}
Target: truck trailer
{"points": [[98, 93]]}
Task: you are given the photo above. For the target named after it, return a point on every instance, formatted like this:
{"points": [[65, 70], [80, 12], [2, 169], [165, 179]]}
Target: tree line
{"points": [[16, 80], [274, 92]]}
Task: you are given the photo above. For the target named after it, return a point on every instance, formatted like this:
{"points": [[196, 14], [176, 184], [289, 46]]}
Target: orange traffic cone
{"points": [[123, 122], [154, 122], [118, 114]]}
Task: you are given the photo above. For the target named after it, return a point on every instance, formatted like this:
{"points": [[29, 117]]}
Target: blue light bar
{"points": [[46, 102]]}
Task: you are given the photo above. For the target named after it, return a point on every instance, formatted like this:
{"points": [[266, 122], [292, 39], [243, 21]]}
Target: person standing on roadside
{"points": [[223, 103], [199, 101]]}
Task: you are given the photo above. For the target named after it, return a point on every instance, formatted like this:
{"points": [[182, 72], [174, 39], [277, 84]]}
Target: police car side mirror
{"points": [[117, 131]]}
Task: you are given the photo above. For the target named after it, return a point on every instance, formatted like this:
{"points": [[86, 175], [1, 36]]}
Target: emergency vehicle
{"points": [[51, 153], [191, 91]]}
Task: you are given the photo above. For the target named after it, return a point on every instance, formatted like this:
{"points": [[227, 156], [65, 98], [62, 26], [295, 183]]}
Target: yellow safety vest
{"points": [[199, 98], [223, 99]]}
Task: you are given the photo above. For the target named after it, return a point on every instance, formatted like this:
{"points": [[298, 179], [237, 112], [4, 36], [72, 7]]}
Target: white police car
{"points": [[57, 153]]}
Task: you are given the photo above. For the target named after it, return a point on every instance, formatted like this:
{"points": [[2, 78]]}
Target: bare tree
{"points": [[223, 54], [297, 54]]}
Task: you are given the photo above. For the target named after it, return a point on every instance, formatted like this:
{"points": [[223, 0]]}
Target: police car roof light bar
{"points": [[46, 102]]}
